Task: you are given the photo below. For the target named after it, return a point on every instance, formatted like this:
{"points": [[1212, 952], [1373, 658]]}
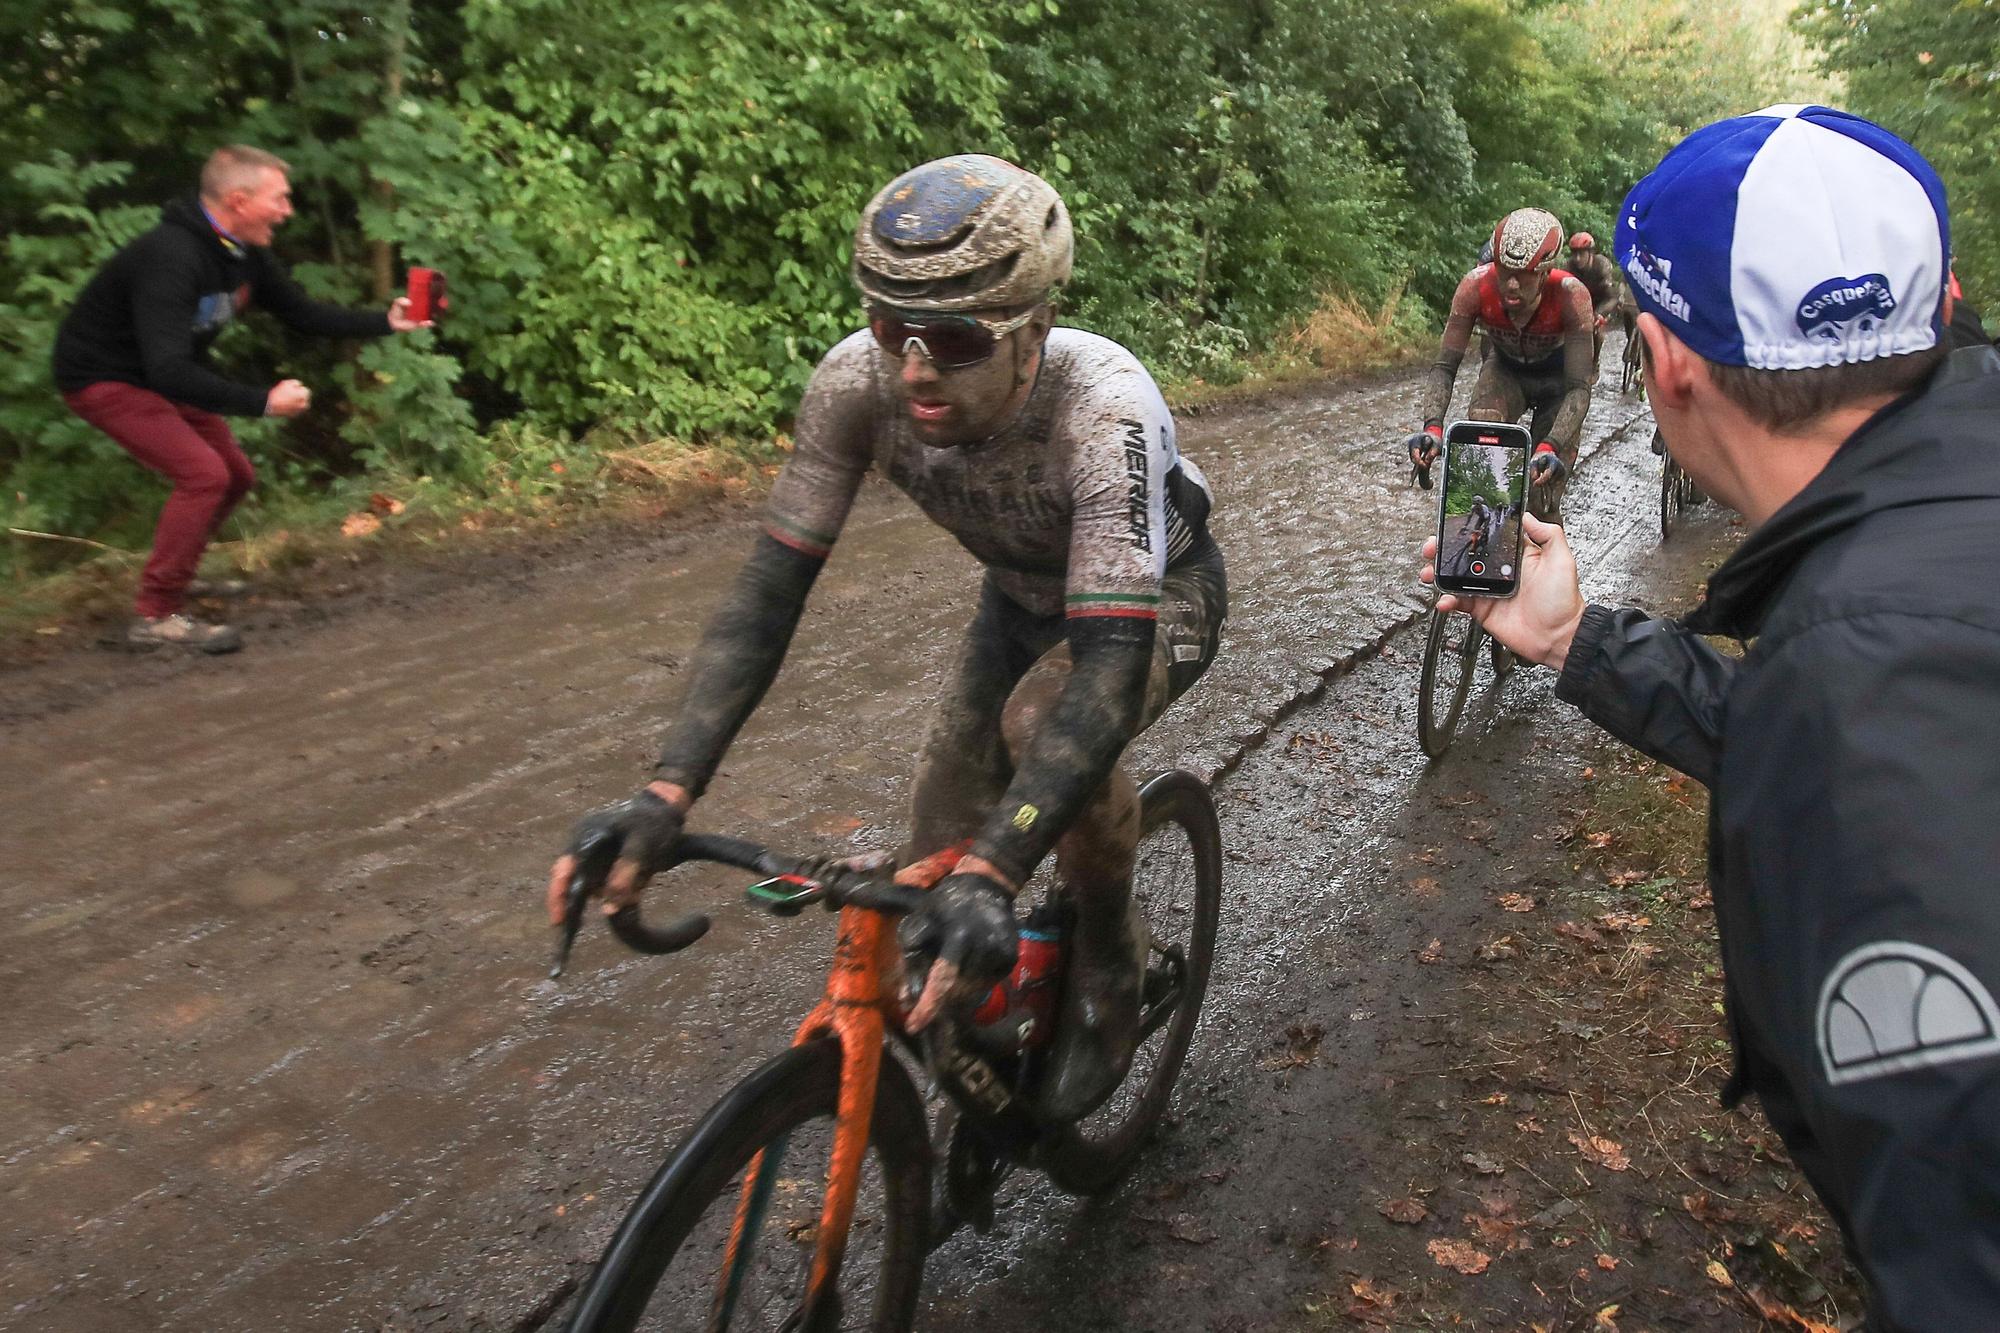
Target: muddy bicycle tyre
{"points": [[1177, 881], [1675, 493], [664, 1267], [1628, 375], [1446, 680]]}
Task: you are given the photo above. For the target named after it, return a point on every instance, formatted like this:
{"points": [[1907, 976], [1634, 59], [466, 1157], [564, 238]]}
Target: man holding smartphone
{"points": [[1790, 268], [131, 359]]}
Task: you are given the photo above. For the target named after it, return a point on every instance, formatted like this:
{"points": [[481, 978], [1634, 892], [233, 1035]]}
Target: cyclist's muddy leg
{"points": [[1496, 395], [1098, 1028], [963, 768]]}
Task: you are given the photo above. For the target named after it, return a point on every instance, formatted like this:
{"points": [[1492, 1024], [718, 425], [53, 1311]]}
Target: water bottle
{"points": [[1019, 1014]]}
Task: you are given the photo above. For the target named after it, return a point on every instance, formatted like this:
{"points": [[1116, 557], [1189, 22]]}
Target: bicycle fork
{"points": [[854, 1013]]}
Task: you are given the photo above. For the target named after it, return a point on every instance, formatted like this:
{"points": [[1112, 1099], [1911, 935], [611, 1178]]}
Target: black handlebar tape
{"points": [[676, 935]]}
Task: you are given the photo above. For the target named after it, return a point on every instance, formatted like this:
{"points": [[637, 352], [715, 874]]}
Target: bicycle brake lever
{"points": [[594, 858]]}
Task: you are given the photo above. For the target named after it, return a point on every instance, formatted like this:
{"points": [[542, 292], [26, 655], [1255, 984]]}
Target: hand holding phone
{"points": [[1480, 508], [427, 295]]}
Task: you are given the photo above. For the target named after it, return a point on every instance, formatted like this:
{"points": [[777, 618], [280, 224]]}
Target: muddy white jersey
{"points": [[1077, 506]]}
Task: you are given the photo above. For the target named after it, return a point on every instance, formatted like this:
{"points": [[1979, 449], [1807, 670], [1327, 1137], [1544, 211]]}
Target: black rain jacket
{"points": [[150, 314], [1853, 761]]}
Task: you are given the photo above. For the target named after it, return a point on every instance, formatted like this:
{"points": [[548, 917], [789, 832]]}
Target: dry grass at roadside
{"points": [[1340, 337], [304, 547]]}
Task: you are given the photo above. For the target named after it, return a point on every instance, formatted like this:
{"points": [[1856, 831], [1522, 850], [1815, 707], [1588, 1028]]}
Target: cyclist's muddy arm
{"points": [[1076, 745], [1579, 360], [745, 644], [1653, 684], [1451, 350]]}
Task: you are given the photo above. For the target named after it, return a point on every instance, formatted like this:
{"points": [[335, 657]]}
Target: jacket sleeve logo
{"points": [[1891, 1007]]}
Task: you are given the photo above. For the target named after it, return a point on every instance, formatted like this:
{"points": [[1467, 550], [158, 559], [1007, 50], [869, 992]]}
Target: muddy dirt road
{"points": [[281, 1053]]}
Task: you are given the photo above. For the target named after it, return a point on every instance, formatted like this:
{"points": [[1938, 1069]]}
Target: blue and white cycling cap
{"points": [[1798, 236]]}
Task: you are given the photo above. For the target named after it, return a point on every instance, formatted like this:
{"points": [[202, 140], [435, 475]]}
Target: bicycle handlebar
{"points": [[823, 880]]}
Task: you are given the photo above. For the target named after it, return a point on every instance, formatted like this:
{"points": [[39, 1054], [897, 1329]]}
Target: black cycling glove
{"points": [[968, 920], [1422, 446], [1546, 467], [643, 830]]}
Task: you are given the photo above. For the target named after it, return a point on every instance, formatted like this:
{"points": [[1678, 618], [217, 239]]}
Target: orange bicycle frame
{"points": [[856, 1011]]}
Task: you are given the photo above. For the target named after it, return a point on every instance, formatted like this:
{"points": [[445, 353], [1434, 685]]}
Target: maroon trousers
{"points": [[192, 449]]}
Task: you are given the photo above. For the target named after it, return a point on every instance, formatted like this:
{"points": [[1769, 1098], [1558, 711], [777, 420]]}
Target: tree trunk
{"points": [[397, 21]]}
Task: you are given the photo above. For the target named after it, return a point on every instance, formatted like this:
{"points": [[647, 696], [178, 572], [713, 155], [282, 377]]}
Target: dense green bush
{"points": [[644, 205], [1928, 69]]}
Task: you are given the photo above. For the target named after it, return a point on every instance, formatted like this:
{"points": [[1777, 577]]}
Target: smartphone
{"points": [[1479, 508], [427, 299]]}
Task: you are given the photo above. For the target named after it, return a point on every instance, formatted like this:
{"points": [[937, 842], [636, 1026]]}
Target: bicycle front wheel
{"points": [[1451, 655], [1673, 495], [672, 1266], [1177, 882]]}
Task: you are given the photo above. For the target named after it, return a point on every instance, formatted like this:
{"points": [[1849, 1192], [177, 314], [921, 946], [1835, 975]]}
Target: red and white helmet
{"points": [[1583, 240], [1527, 238]]}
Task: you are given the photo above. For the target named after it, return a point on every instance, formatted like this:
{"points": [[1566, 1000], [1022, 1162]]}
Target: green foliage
{"points": [[644, 206], [59, 472], [1927, 69]]}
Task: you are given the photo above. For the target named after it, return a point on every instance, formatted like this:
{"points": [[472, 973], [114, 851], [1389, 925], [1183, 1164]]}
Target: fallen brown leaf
{"points": [[1602, 1151], [1459, 1255], [1495, 950], [1370, 1292], [362, 524], [1598, 839], [1495, 1099], [1432, 952], [1516, 902], [1718, 1274], [1702, 898], [1424, 886], [1483, 1164], [1606, 1262], [1607, 1319], [1528, 1125], [1407, 1212], [385, 504], [1582, 934], [1624, 921]]}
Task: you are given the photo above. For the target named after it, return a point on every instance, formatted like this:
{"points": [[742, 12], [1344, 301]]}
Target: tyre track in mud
{"points": [[293, 1062]]}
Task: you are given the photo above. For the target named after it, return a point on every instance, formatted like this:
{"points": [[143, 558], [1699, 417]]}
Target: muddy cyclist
{"points": [[1539, 353], [1049, 454]]}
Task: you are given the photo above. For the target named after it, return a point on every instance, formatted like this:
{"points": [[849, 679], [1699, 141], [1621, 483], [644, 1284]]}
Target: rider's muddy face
{"points": [[970, 403], [1519, 286]]}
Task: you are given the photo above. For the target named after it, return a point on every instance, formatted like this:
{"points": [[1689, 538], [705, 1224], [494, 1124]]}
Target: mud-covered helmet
{"points": [[1527, 238], [963, 233], [1583, 240]]}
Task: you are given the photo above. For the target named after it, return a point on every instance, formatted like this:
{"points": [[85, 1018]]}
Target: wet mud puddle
{"points": [[292, 1059]]}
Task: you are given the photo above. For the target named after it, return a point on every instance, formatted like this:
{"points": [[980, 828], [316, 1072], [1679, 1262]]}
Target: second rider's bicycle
{"points": [[804, 1199]]}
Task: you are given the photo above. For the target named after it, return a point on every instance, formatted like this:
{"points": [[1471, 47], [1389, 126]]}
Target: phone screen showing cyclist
{"points": [[1479, 508]]}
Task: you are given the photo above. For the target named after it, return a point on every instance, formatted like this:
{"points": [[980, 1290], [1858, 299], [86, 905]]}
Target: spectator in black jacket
{"points": [[131, 359], [1790, 267]]}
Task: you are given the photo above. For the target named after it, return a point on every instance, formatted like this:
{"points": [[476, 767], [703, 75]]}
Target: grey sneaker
{"points": [[180, 631], [218, 588]]}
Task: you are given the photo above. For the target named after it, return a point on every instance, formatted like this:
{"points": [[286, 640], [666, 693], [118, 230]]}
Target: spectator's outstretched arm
{"points": [[275, 291], [1653, 684]]}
